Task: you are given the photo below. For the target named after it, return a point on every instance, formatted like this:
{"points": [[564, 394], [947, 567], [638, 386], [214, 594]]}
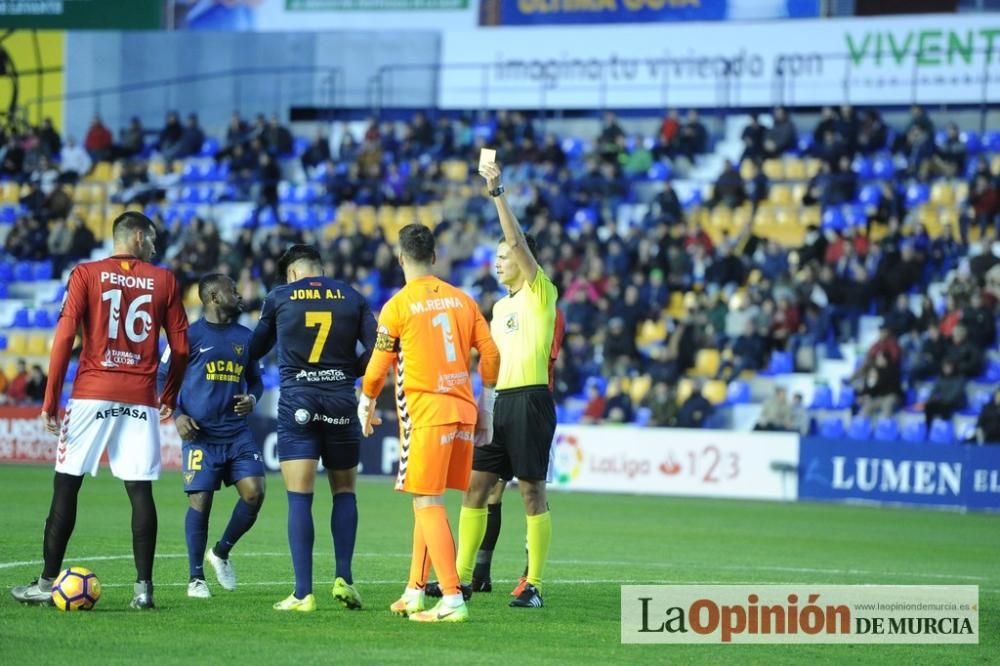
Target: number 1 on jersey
{"points": [[444, 321], [324, 320]]}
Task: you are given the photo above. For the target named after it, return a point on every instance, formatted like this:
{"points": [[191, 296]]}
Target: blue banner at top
{"points": [[576, 12], [947, 476]]}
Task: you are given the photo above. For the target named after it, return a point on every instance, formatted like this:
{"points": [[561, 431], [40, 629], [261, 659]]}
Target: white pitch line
{"points": [[599, 563]]}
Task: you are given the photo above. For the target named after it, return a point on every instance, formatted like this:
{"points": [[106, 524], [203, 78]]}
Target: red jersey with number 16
{"points": [[119, 305]]}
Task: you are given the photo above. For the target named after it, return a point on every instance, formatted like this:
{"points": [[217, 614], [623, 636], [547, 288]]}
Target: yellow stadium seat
{"points": [[639, 388], [795, 169], [38, 344], [948, 217], [82, 194], [746, 170], [191, 298], [715, 391], [781, 195], [456, 171], [101, 173], [17, 343], [788, 215], [742, 216], [676, 307], [809, 216], [706, 363], [722, 216], [995, 163], [9, 192], [774, 169], [157, 168], [798, 192], [961, 191], [10, 370], [684, 389], [812, 166], [942, 193]]}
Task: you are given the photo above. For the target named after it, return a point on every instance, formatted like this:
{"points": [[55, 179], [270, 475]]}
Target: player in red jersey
{"points": [[118, 305]]}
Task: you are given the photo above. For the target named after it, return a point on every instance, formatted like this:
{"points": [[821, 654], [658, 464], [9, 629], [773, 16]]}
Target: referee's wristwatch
{"points": [[497, 192]]}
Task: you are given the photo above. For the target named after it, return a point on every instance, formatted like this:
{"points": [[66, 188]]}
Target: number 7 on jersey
{"points": [[324, 320]]}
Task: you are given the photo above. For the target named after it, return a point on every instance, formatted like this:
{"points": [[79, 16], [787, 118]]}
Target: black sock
{"points": [[140, 493], [60, 522], [484, 558]]}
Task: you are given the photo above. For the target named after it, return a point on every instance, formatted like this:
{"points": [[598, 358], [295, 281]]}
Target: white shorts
{"points": [[130, 433]]}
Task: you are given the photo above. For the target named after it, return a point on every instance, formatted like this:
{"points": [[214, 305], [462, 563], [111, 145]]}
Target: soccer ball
{"points": [[76, 589]]}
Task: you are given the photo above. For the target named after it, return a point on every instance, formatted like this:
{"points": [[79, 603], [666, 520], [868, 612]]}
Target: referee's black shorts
{"points": [[524, 422]]}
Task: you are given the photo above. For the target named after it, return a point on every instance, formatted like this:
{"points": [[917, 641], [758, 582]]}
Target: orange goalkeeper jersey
{"points": [[428, 330]]}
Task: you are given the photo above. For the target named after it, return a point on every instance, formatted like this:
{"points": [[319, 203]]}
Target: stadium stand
{"points": [[710, 271]]}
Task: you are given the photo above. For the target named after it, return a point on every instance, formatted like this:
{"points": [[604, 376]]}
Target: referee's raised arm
{"points": [[512, 233]]}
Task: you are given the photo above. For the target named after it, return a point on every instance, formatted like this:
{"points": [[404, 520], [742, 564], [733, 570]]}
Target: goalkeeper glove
{"points": [[366, 414], [484, 420]]}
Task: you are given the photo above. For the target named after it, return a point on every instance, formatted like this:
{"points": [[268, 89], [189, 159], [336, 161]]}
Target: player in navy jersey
{"points": [[221, 387], [318, 323]]}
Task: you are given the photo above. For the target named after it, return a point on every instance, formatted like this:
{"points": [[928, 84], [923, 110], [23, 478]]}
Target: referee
{"points": [[525, 416]]}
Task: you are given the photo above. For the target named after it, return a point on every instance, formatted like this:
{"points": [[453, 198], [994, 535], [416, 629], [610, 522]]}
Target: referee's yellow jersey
{"points": [[522, 326]]}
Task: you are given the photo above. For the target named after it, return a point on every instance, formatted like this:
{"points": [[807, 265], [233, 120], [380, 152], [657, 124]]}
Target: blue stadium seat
{"points": [[883, 167], [991, 373], [8, 214], [916, 194], [992, 141], [6, 272], [887, 429], [856, 215], [972, 142], [805, 143], [23, 271], [822, 397], [693, 199], [832, 428], [190, 173], [42, 319], [738, 392], [833, 219], [870, 195], [300, 146], [642, 416], [42, 270], [659, 171], [860, 427], [71, 371], [863, 167], [781, 363], [22, 318], [914, 431], [3, 342], [845, 397], [942, 432], [209, 147]]}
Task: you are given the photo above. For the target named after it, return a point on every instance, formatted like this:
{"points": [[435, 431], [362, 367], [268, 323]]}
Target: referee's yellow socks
{"points": [[471, 529], [539, 538]]}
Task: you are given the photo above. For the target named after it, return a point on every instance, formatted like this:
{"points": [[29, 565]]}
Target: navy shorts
{"points": [[319, 426], [210, 463]]}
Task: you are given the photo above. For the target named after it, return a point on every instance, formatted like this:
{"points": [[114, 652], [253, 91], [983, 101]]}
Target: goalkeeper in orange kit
{"points": [[427, 331]]}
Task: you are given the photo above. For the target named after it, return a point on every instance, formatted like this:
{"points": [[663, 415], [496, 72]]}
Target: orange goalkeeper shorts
{"points": [[434, 458]]}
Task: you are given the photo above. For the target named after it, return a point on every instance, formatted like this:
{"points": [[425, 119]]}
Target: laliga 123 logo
{"points": [[568, 458]]}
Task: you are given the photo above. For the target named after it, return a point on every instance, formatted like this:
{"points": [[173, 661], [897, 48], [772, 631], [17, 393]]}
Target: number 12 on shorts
{"points": [[194, 459]]}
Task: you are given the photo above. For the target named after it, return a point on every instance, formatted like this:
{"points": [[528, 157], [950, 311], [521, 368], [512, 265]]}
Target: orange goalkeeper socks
{"points": [[433, 522]]}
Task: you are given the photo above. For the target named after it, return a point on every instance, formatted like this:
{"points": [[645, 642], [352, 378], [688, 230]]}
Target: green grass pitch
{"points": [[600, 542]]}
